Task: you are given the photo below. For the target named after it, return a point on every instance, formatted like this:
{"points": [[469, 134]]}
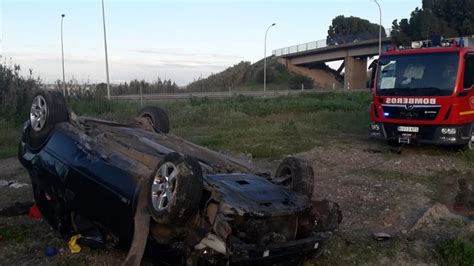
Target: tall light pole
{"points": [[62, 55], [265, 60], [380, 26], [106, 56]]}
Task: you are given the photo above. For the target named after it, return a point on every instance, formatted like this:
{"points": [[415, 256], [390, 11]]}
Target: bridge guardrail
{"points": [[308, 46]]}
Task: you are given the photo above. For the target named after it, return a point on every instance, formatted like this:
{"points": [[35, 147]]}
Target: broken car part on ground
{"points": [[135, 186]]}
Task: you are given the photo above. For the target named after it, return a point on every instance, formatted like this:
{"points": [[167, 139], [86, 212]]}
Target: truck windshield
{"points": [[431, 74]]}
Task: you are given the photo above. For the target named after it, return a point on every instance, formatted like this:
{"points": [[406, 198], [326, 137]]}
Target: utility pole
{"points": [[62, 55], [380, 27], [265, 61], [106, 56]]}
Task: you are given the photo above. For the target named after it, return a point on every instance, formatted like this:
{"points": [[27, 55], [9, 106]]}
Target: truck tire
{"points": [[296, 174], [470, 144], [158, 118], [48, 108], [176, 189]]}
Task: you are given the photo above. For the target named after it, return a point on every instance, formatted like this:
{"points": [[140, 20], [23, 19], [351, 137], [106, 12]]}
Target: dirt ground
{"points": [[418, 197]]}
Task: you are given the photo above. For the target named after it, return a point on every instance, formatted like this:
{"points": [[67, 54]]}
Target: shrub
{"points": [[457, 252], [297, 80]]}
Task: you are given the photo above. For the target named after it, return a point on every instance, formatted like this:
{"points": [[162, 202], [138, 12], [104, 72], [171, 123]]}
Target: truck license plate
{"points": [[408, 129]]}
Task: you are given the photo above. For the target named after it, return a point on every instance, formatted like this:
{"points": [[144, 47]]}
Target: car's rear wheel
{"points": [[157, 117], [176, 189], [48, 108], [296, 174]]}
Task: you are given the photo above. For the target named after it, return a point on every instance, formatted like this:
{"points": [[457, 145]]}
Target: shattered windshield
{"points": [[431, 74]]}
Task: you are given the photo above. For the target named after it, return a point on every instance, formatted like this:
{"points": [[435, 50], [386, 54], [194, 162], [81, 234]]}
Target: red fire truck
{"points": [[425, 94]]}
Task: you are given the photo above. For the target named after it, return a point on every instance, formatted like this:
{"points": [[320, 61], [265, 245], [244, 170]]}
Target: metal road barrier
{"points": [[216, 95]]}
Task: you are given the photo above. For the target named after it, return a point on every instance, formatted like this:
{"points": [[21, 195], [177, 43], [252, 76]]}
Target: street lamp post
{"points": [[106, 56], [265, 61], [62, 55], [380, 26]]}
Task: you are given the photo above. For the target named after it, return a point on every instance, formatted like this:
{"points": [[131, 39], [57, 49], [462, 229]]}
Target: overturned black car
{"points": [[137, 187]]}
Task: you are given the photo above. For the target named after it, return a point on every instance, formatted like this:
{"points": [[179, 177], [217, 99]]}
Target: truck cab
{"points": [[425, 94]]}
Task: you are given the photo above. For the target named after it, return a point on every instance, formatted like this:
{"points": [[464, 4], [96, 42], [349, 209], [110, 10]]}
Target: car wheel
{"points": [[47, 109], [157, 117], [52, 210], [176, 189], [295, 174]]}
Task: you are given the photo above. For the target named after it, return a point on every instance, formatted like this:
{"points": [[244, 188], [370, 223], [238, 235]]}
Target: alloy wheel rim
{"points": [[38, 113], [164, 185]]}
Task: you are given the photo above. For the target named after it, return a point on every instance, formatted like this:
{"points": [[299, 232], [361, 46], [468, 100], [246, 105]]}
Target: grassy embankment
{"points": [[265, 128]]}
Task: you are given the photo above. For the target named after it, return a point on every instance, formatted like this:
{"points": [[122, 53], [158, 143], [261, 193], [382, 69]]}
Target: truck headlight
{"points": [[448, 131]]}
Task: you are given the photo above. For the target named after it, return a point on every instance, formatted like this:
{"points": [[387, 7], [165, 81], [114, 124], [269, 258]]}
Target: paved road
{"points": [[187, 95]]}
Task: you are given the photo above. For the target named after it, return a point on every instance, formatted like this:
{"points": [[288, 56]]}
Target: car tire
{"points": [[158, 118], [296, 174], [52, 210], [47, 109], [176, 189]]}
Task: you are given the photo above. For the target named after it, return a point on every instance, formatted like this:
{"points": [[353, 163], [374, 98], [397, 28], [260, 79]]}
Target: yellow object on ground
{"points": [[73, 246]]}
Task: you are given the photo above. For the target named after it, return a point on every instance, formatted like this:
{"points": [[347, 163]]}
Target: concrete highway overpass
{"points": [[307, 59]]}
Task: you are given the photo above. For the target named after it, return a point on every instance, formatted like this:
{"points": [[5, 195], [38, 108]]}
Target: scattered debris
{"points": [[3, 183], [381, 236], [72, 244], [50, 251], [12, 184], [17, 209], [34, 212]]}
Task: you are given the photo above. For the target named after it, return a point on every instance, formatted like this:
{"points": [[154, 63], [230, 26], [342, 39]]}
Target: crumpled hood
{"points": [[245, 194]]}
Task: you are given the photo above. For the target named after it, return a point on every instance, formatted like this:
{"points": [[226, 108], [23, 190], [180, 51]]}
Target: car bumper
{"points": [[277, 252], [427, 134]]}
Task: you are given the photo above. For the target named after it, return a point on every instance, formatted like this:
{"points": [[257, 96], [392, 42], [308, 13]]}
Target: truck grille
{"points": [[411, 112]]}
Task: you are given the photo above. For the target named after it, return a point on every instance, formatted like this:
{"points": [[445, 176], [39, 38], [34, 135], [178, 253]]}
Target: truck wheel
{"points": [[52, 210], [176, 189], [393, 143], [470, 144], [157, 117], [296, 174], [48, 108]]}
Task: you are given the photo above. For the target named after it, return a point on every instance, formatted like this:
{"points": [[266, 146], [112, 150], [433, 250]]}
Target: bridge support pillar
{"points": [[355, 74]]}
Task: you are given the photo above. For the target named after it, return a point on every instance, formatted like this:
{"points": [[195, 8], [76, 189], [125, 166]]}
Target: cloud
{"points": [[182, 67], [170, 52]]}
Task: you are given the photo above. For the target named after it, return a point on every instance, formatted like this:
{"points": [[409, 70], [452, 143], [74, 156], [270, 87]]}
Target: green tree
{"points": [[446, 18], [351, 29]]}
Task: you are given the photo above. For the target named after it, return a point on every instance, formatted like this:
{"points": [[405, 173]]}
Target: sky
{"points": [[178, 40]]}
